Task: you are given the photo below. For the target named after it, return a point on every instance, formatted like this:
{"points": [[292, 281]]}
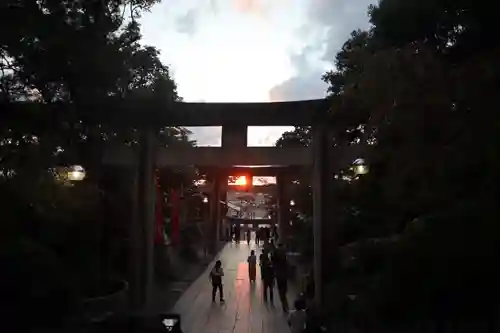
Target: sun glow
{"points": [[241, 181]]}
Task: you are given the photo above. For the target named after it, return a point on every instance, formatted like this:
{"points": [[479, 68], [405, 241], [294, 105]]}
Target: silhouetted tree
{"points": [[416, 90]]}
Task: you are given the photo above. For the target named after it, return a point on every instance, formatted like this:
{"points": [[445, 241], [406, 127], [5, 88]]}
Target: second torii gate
{"points": [[229, 159]]}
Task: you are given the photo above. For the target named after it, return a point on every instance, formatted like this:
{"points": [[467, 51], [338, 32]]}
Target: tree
{"points": [[301, 136], [417, 113], [415, 90], [56, 57], [56, 50], [457, 28]]}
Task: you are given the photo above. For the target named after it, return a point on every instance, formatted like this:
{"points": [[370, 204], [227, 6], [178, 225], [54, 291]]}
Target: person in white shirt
{"points": [[297, 317], [216, 277]]}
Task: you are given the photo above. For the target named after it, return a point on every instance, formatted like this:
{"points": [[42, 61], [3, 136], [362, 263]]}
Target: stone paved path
{"points": [[244, 310]]}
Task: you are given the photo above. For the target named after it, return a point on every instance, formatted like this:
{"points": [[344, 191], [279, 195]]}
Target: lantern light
{"points": [[360, 167], [76, 173]]}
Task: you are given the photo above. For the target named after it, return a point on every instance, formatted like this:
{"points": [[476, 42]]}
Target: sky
{"points": [[251, 50]]}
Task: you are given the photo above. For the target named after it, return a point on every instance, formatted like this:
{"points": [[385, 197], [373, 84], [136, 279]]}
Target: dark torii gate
{"points": [[225, 160]]}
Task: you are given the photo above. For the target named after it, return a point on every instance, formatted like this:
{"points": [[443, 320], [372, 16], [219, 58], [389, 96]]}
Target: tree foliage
{"points": [[59, 57], [56, 50], [72, 52], [457, 28], [300, 136], [418, 89]]}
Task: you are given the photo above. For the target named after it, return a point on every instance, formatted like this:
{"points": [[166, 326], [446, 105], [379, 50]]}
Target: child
{"points": [[297, 318], [216, 277], [252, 266]]}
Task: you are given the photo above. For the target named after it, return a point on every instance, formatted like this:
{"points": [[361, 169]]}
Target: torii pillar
{"points": [[234, 140], [322, 179], [222, 212], [283, 205], [214, 212], [142, 225]]}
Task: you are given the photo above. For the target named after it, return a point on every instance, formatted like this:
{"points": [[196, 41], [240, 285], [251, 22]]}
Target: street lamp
{"points": [[205, 200], [292, 203], [76, 173]]}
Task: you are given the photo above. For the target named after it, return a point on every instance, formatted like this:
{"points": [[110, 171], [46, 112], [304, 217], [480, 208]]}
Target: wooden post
{"points": [[321, 188], [218, 211], [222, 211], [283, 207], [147, 209], [135, 244], [214, 209]]}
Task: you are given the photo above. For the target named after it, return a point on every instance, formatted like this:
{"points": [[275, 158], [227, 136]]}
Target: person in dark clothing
{"points": [[261, 259], [280, 266], [267, 274], [237, 234], [216, 278], [272, 246], [252, 266], [275, 234], [278, 257]]}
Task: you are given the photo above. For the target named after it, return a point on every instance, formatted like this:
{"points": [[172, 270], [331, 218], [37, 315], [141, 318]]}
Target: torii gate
{"points": [[228, 159]]}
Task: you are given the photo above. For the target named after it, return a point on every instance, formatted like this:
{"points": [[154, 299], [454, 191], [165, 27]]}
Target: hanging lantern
{"points": [[76, 173]]}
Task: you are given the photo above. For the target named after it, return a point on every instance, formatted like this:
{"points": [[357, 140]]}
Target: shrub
{"points": [[35, 289]]}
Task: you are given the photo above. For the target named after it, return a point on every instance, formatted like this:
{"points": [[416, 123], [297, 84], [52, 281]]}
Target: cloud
{"points": [[250, 6], [303, 86], [340, 18], [187, 22], [265, 136], [328, 26], [306, 84], [214, 6], [206, 136]]}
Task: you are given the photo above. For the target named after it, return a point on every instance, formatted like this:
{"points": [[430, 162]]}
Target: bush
{"points": [[443, 267], [448, 267], [34, 287], [70, 222]]}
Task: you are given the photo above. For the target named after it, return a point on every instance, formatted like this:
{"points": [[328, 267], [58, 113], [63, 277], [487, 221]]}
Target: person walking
{"points": [[272, 246], [297, 317], [257, 236], [252, 266], [268, 248], [280, 266], [216, 278], [267, 274], [249, 234], [275, 234], [237, 233]]}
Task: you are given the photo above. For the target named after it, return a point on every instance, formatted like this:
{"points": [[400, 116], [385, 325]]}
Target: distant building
{"points": [[251, 204]]}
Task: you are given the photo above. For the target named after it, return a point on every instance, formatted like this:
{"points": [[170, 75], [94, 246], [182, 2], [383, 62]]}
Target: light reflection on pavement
{"points": [[244, 309]]}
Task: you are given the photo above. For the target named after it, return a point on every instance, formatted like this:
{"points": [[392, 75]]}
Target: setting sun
{"points": [[241, 181]]}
